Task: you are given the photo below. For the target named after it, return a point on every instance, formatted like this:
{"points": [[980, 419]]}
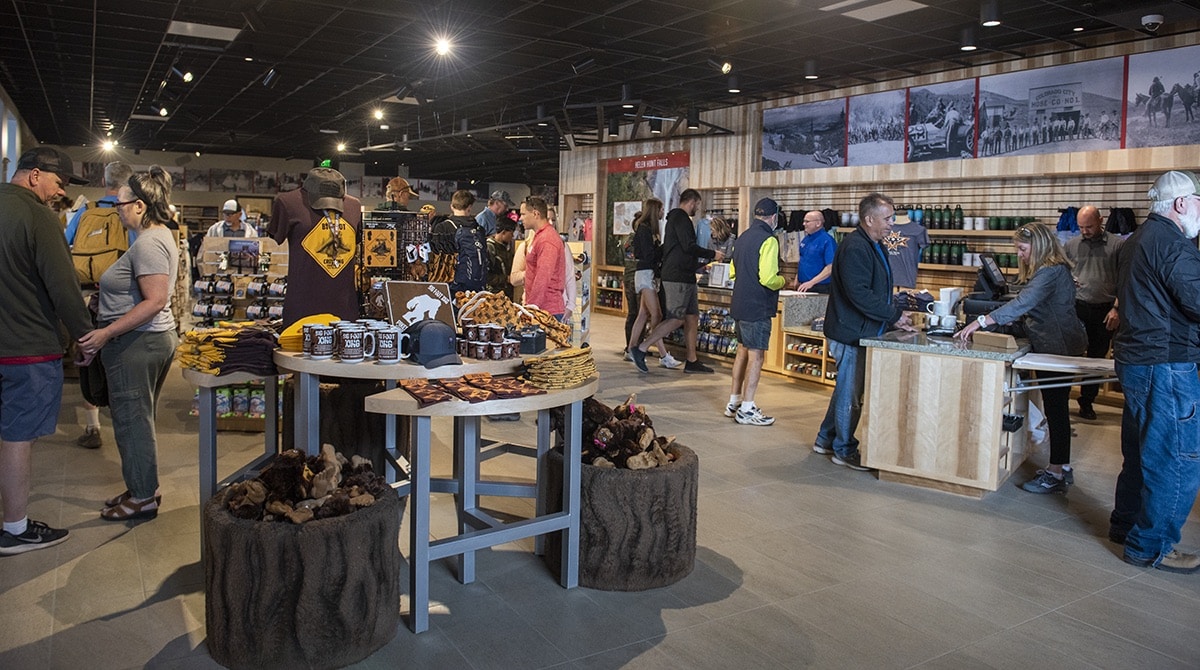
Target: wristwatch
{"points": [[981, 320]]}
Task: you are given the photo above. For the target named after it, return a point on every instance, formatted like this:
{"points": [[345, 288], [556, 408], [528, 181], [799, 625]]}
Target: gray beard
{"points": [[1190, 227]]}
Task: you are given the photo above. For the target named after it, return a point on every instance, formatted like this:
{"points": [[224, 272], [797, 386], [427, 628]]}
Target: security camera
{"points": [[1152, 22]]}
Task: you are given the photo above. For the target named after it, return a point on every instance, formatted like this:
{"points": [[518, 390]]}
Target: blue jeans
{"points": [[845, 406], [1160, 441], [137, 364]]}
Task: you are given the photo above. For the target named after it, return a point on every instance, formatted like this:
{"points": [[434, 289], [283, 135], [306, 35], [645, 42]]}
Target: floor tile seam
{"points": [[1123, 638], [1051, 577], [1069, 557], [1139, 578]]}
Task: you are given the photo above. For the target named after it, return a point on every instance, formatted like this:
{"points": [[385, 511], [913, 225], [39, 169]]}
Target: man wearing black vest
{"points": [[755, 301]]}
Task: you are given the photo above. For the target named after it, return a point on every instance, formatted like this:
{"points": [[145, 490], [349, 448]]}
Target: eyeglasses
{"points": [[127, 202]]}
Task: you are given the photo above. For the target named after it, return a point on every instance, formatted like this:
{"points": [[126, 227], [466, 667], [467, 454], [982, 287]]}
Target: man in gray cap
{"points": [[1156, 348], [40, 289], [498, 203]]}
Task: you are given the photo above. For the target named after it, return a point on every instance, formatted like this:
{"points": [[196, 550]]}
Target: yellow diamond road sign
{"points": [[331, 244]]}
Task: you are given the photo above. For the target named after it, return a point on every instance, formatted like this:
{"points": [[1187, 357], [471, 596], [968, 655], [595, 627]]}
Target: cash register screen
{"points": [[991, 278]]}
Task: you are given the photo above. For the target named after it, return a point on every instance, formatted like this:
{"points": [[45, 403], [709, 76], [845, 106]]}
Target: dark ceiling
{"points": [[78, 69]]}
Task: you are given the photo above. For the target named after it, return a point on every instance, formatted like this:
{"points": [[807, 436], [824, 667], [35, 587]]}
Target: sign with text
{"points": [[678, 159], [412, 301]]}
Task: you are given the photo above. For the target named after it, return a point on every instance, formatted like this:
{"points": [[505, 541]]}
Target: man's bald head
{"points": [[1088, 220]]}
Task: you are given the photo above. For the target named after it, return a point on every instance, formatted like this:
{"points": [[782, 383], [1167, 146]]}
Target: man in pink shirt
{"points": [[546, 261]]}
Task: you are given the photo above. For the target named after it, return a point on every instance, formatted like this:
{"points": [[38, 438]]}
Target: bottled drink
{"points": [[958, 217]]}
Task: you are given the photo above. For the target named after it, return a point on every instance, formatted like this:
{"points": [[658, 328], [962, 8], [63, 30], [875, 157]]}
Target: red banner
{"points": [[649, 162]]}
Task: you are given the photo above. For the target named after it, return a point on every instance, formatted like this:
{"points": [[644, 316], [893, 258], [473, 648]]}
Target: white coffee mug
{"points": [[938, 308], [391, 346]]}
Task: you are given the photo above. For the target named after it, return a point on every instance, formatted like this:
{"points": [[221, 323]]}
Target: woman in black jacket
{"points": [[647, 249]]}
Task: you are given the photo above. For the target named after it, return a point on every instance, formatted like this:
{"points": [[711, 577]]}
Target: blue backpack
{"points": [[470, 271]]}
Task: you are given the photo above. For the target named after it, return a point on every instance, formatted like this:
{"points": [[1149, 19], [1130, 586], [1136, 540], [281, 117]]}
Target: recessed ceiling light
{"points": [[379, 114], [341, 146], [442, 46], [108, 145], [1078, 29]]}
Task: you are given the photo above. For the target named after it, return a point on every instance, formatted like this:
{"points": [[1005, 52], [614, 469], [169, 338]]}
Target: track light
{"points": [[162, 111], [968, 39], [693, 118], [989, 13], [720, 65], [185, 76], [626, 96], [810, 69], [733, 84], [656, 126], [614, 129], [541, 116], [405, 139], [580, 66]]}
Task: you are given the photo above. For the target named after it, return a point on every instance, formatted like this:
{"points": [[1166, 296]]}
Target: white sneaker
{"points": [[669, 362], [731, 409], [753, 417], [627, 356]]}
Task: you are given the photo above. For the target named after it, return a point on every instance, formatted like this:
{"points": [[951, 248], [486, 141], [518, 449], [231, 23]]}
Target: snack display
{"points": [[562, 369], [496, 308]]}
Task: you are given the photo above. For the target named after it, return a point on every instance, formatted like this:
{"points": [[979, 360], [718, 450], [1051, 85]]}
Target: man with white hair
{"points": [[1156, 348]]}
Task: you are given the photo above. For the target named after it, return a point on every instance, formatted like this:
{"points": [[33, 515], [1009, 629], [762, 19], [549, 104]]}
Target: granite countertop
{"points": [[946, 346]]}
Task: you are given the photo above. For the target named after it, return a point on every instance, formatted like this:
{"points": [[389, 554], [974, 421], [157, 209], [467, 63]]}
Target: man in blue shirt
{"points": [[816, 254], [116, 175], [498, 203]]}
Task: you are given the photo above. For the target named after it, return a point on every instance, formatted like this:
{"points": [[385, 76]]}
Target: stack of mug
{"points": [[486, 341], [355, 342]]}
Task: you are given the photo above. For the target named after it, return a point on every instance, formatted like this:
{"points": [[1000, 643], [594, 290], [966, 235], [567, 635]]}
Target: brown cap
{"points": [[325, 188], [49, 159], [400, 185]]}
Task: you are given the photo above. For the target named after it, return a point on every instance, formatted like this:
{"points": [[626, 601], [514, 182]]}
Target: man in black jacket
{"points": [[680, 252], [1156, 350], [860, 305]]}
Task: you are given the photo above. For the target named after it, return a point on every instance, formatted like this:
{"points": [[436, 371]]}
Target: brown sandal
{"points": [[117, 500], [129, 510]]}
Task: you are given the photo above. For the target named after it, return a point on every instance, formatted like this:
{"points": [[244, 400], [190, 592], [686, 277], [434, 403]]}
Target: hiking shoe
{"points": [[731, 409], [1046, 482], [37, 536], [669, 362], [639, 359], [854, 462], [90, 438], [1069, 476], [1086, 412], [1176, 561], [1116, 535], [753, 417], [696, 367], [825, 451], [626, 355]]}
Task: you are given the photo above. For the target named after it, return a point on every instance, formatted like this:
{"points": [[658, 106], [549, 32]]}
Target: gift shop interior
{"points": [[364, 351]]}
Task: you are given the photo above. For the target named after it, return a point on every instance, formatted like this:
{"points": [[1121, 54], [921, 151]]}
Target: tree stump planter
{"points": [[637, 527], [322, 594]]}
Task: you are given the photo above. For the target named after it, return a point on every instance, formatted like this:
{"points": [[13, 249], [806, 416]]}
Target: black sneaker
{"points": [[639, 359], [854, 462], [90, 438], [37, 536], [696, 367], [1046, 482], [1086, 412]]}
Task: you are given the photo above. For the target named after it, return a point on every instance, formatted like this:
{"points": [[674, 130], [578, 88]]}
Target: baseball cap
{"points": [[1174, 184], [501, 195], [766, 207], [428, 209], [505, 224], [230, 206], [325, 188], [49, 159], [400, 184], [432, 343]]}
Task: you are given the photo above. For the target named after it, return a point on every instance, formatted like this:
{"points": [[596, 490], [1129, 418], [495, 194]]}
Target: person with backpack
{"points": [[98, 239], [500, 258], [461, 234]]}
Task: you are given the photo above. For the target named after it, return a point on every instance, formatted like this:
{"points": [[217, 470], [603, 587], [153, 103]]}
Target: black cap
{"points": [[433, 343], [49, 159]]}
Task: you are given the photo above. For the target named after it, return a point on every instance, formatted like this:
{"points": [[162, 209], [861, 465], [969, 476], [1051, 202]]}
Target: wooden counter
{"points": [[933, 410]]}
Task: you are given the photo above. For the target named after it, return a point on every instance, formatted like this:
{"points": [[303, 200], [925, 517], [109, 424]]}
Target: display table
{"points": [[478, 529], [933, 411], [306, 414], [208, 385]]}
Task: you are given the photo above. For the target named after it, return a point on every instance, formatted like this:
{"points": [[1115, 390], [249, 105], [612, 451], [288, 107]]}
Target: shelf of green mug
{"points": [[951, 232], [958, 268]]}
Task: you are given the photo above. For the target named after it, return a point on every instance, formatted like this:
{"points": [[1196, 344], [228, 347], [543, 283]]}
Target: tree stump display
{"points": [[322, 594], [637, 527], [343, 423]]}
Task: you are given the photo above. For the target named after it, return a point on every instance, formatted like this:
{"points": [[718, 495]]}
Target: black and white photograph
{"points": [[197, 179], [941, 121], [266, 182], [1073, 107], [290, 181], [231, 181], [1162, 103], [876, 129], [811, 135]]}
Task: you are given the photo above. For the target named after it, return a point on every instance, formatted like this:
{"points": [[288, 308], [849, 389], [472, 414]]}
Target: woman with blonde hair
{"points": [[136, 338], [647, 249], [1046, 305]]}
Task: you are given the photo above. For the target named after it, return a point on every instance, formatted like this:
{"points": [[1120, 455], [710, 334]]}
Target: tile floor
{"points": [[800, 562]]}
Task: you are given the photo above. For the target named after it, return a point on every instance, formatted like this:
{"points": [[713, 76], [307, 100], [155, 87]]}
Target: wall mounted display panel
{"points": [[809, 135], [876, 129], [941, 121]]}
